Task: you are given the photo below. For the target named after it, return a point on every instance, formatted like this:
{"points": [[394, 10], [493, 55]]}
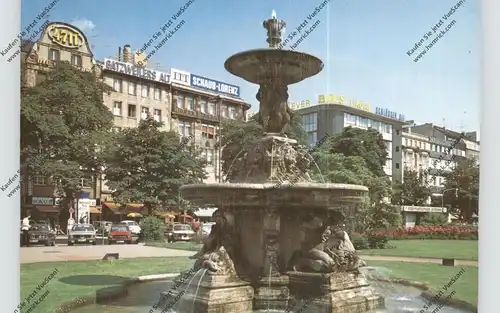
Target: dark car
{"points": [[119, 233], [82, 233], [41, 234]]}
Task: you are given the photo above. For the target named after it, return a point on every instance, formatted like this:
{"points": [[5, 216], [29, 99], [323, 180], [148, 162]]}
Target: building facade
{"points": [[333, 113], [447, 149], [58, 43], [190, 104]]}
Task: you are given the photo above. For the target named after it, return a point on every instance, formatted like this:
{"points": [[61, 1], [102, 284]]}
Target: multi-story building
{"points": [[447, 149], [333, 113], [58, 43], [437, 151], [199, 104], [190, 104]]}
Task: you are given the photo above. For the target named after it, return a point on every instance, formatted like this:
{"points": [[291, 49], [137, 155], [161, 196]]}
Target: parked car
{"points": [[82, 233], [134, 227], [179, 232], [41, 234], [119, 233]]}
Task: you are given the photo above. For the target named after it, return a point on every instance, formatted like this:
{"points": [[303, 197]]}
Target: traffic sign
{"points": [[71, 210]]}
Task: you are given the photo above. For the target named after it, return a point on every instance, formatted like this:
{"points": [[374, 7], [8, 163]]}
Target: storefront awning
{"points": [[47, 208], [95, 210], [165, 214], [205, 212], [118, 208]]}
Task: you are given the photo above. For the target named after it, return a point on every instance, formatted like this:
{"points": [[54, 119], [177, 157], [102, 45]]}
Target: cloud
{"points": [[83, 24]]}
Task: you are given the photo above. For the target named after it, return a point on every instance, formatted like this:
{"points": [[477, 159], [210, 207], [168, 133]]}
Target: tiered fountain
{"points": [[277, 241]]}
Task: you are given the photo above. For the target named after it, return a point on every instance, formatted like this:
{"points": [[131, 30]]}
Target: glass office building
{"points": [[324, 119]]}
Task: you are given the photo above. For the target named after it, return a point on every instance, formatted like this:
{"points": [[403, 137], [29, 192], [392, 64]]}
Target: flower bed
{"points": [[431, 232]]}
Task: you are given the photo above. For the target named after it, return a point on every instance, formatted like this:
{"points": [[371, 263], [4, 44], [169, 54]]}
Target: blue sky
{"points": [[362, 43]]}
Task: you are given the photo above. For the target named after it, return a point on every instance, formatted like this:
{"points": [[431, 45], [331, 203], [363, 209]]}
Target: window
{"points": [[397, 149], [211, 108], [116, 129], [157, 115], [54, 55], [207, 131], [309, 122], [76, 60], [312, 138], [144, 112], [210, 156], [145, 91], [363, 122], [397, 165], [39, 180], [157, 94], [189, 103], [117, 84], [132, 88], [397, 132], [117, 108], [203, 106], [232, 113], [132, 111], [180, 101], [184, 128], [223, 110]]}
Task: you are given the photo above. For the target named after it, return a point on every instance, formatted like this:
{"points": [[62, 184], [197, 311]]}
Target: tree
{"points": [[414, 190], [148, 166], [239, 136], [465, 177], [63, 124], [357, 156], [367, 144]]}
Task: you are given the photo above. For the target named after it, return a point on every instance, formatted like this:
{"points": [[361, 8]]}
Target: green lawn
{"points": [[458, 249], [436, 275], [181, 245], [83, 278]]}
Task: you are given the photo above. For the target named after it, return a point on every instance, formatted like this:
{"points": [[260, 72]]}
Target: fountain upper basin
{"points": [[264, 65], [311, 195]]}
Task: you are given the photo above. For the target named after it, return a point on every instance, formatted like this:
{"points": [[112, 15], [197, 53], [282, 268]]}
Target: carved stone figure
{"points": [[335, 253], [221, 247], [273, 109]]}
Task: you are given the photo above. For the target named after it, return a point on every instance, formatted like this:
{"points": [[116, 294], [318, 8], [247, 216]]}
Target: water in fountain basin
{"points": [[142, 296]]}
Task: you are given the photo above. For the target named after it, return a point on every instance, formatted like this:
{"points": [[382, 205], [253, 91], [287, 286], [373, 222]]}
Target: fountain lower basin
{"points": [[286, 196]]}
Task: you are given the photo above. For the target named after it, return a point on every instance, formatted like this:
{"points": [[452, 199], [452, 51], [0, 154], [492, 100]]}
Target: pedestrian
{"points": [[25, 228]]}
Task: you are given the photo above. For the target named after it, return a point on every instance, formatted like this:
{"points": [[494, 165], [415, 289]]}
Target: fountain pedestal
{"points": [[332, 293], [211, 294]]}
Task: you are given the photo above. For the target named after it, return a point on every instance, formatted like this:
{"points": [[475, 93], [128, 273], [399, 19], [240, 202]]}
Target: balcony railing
{"points": [[195, 114]]}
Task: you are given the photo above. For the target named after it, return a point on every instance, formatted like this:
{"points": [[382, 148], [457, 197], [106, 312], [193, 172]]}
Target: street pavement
{"points": [[63, 252]]}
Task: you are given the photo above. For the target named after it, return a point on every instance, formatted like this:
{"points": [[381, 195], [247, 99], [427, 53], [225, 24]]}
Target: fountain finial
{"points": [[275, 29]]}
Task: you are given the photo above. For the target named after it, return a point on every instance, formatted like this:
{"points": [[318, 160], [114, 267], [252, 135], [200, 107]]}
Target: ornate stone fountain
{"points": [[277, 237]]}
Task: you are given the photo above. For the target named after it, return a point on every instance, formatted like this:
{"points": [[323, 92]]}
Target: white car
{"points": [[133, 226]]}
